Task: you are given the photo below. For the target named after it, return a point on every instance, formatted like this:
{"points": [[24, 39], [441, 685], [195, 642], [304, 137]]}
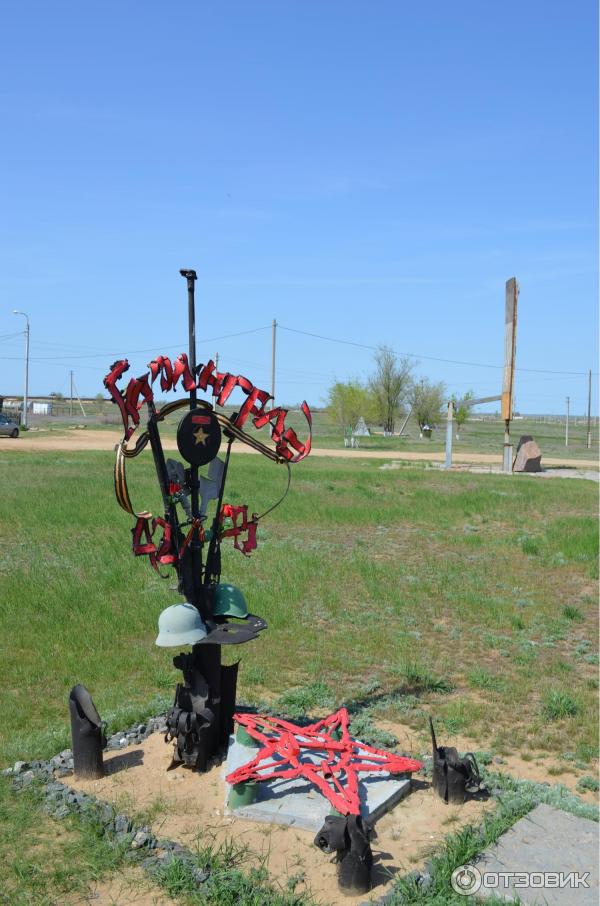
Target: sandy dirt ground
{"points": [[129, 887], [537, 766], [105, 440], [190, 808]]}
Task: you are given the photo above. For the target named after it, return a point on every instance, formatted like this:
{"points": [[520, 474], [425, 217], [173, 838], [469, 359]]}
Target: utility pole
{"points": [[216, 361], [589, 418], [273, 345], [74, 388], [510, 346], [448, 463], [24, 421], [567, 423], [71, 403], [405, 422]]}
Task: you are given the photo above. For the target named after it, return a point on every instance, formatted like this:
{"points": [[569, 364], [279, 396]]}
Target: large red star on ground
{"points": [[289, 751]]}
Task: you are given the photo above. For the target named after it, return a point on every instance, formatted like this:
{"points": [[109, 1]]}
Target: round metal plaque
{"points": [[199, 437]]}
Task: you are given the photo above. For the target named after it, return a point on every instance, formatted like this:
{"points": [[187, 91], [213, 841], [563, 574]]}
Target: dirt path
{"points": [[106, 440]]}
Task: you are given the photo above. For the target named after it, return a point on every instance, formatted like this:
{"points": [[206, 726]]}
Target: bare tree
{"points": [[428, 399], [390, 385]]}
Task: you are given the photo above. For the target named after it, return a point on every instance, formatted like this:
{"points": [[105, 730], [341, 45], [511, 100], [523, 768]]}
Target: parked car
{"points": [[8, 427]]}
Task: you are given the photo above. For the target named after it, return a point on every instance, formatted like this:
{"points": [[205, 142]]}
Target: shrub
{"points": [[588, 783], [557, 705]]}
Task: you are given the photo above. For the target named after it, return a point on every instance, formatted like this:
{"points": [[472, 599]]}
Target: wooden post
{"points": [[510, 347]]}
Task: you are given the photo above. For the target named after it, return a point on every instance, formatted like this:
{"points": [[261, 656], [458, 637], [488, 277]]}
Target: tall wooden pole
{"points": [[567, 423], [510, 347]]}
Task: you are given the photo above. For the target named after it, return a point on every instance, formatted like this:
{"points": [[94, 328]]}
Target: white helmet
{"points": [[180, 624]]}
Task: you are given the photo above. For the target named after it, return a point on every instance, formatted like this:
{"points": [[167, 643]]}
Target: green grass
{"points": [[558, 705], [51, 859], [517, 798], [232, 882], [361, 573], [57, 860], [304, 699], [373, 589], [588, 783]]}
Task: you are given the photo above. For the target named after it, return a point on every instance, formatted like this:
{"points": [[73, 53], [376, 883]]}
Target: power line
{"points": [[416, 355], [108, 355]]}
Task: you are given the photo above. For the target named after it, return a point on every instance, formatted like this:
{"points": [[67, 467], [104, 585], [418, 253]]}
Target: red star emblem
{"points": [[332, 765]]}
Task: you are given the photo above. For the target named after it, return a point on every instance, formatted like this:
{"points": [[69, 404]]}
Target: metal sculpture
{"points": [[454, 778], [185, 538], [349, 838], [323, 753], [87, 734]]}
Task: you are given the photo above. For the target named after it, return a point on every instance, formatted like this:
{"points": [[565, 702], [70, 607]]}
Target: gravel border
{"points": [[153, 853], [61, 800]]}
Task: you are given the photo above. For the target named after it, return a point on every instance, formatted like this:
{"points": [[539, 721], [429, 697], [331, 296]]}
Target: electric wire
{"points": [[416, 355], [107, 355]]}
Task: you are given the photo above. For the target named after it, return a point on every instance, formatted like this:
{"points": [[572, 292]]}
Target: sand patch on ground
{"points": [[189, 807], [106, 440], [536, 766], [130, 887]]}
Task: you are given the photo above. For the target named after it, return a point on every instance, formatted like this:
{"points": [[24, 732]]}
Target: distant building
{"points": [[40, 408], [36, 405]]}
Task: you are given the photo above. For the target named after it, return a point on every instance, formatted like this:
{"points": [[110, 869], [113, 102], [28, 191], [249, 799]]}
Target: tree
{"points": [[427, 400], [390, 385], [348, 401], [461, 410]]}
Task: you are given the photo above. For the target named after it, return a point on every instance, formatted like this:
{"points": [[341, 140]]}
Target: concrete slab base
{"points": [[542, 846], [299, 804]]}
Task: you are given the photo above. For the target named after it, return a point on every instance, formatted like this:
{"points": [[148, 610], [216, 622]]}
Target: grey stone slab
{"points": [[300, 804], [546, 840]]}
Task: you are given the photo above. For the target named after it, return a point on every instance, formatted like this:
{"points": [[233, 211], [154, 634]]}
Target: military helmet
{"points": [[228, 601], [180, 624]]}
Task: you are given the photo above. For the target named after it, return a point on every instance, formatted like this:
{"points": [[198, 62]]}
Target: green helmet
{"points": [[180, 624], [228, 601]]}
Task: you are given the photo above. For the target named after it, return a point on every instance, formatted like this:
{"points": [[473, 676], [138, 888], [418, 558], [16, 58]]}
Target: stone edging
{"points": [[61, 801]]}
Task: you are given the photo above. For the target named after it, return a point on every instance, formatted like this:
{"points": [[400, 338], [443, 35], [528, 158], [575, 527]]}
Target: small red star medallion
{"points": [[316, 753]]}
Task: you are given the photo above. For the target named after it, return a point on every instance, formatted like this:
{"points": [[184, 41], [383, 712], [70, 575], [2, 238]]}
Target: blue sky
{"points": [[370, 171]]}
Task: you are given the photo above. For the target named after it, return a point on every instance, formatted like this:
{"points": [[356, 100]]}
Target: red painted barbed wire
{"points": [[145, 528], [228, 511], [222, 384], [324, 753]]}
